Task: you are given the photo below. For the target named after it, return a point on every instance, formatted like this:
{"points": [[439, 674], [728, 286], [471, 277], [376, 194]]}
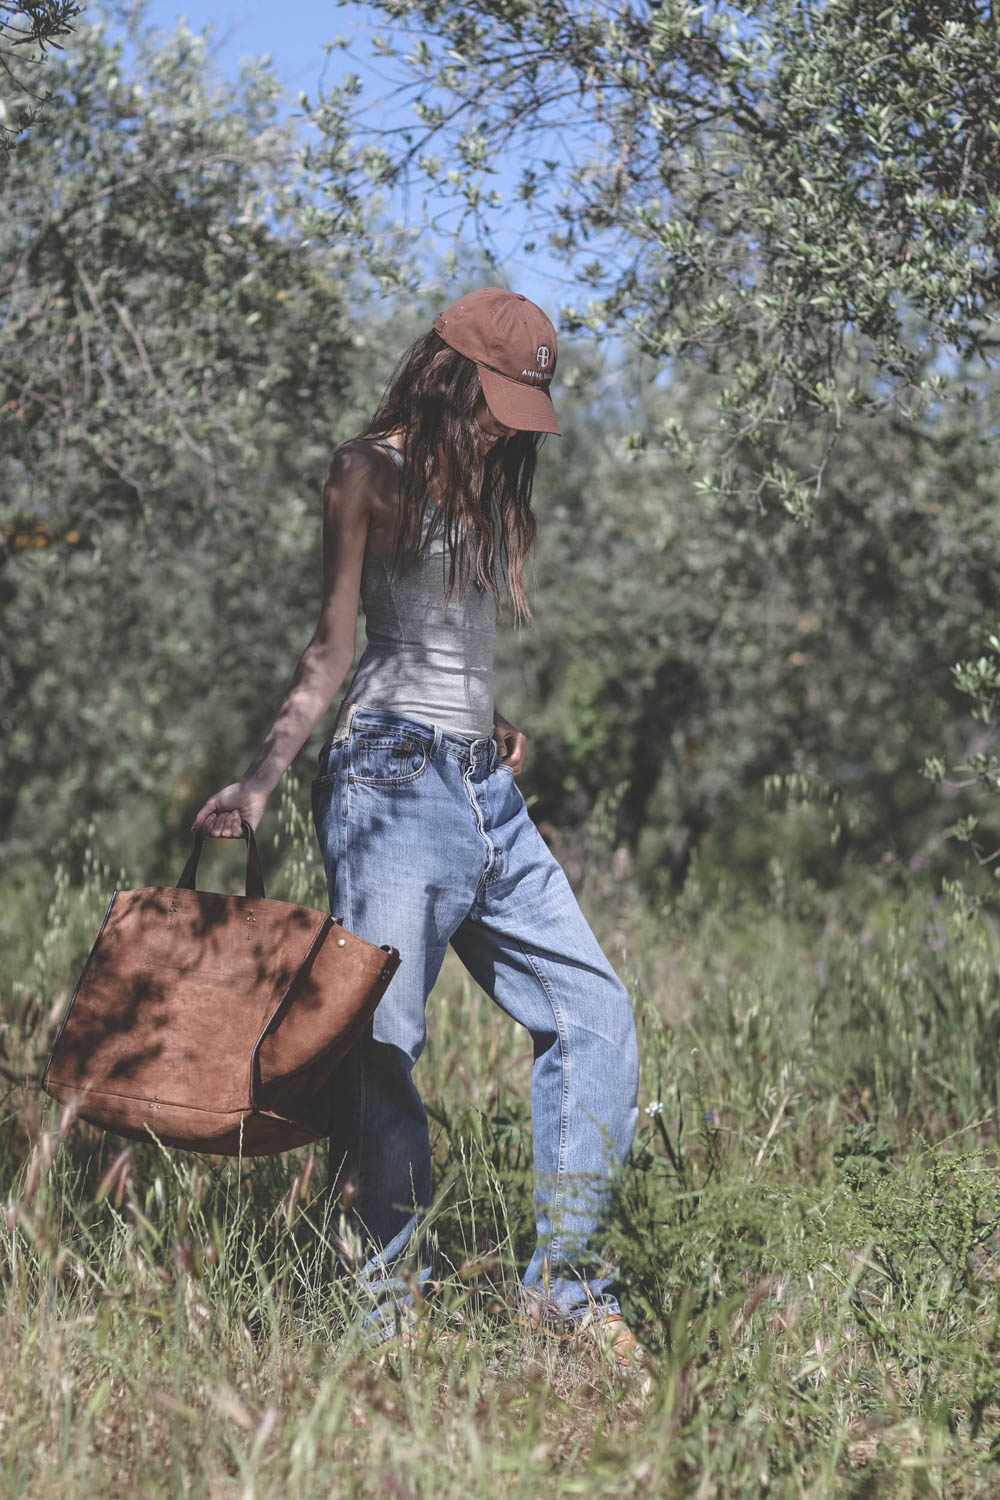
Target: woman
{"points": [[425, 836]]}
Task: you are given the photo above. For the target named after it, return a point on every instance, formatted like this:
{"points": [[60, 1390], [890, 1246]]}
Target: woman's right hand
{"points": [[223, 815]]}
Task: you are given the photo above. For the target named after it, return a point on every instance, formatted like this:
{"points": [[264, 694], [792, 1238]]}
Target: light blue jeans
{"points": [[426, 841]]}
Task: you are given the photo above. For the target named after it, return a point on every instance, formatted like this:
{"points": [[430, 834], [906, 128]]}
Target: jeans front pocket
{"points": [[386, 759]]}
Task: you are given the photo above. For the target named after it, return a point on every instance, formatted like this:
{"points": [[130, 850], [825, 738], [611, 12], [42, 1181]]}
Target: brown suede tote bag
{"points": [[215, 1021]]}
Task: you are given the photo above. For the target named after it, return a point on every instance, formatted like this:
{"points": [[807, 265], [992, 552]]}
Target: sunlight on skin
{"points": [[511, 742]]}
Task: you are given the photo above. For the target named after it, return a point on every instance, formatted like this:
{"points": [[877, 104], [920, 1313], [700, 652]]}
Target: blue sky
{"points": [[293, 34]]}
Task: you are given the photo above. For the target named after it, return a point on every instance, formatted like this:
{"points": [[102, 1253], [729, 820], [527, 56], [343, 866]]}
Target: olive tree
{"points": [[778, 191], [177, 348], [26, 34]]}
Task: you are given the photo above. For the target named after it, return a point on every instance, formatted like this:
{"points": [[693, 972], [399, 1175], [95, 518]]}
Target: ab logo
{"points": [[542, 357]]}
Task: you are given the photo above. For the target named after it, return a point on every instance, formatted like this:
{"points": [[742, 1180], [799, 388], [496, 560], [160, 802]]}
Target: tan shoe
{"points": [[619, 1345], [614, 1339]]}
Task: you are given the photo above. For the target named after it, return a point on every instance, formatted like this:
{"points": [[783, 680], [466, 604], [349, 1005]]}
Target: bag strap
{"points": [[279, 1009], [253, 884]]}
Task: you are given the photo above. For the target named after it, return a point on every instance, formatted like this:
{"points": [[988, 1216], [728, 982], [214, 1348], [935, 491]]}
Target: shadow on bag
{"points": [[214, 1021]]}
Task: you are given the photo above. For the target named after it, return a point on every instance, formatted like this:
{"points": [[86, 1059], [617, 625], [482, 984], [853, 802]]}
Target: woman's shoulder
{"points": [[360, 468], [363, 479], [367, 452]]}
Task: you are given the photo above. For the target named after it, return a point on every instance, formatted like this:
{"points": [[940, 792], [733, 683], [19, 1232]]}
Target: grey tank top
{"points": [[421, 659]]}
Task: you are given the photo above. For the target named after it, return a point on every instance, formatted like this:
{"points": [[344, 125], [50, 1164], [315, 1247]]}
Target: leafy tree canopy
{"points": [[760, 188], [176, 352], [26, 32]]}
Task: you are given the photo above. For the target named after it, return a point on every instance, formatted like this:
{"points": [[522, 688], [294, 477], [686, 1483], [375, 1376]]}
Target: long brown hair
{"points": [[431, 398]]}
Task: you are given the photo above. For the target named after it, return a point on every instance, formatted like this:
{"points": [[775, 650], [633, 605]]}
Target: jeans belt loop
{"points": [[345, 718], [435, 747]]}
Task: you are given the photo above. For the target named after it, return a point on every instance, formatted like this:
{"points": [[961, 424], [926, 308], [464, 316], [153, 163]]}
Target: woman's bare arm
{"points": [[353, 480]]}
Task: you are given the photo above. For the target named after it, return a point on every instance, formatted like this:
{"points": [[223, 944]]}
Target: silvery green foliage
{"points": [[694, 650], [152, 280], [175, 356], [751, 187], [978, 680], [27, 32]]}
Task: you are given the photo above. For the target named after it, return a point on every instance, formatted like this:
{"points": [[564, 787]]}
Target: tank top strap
{"points": [[431, 518], [393, 452]]}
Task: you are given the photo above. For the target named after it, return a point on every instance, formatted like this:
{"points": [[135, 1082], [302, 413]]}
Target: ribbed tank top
{"points": [[420, 659]]}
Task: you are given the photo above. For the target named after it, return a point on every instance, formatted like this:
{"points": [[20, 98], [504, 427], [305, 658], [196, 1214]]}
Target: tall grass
{"points": [[808, 1232]]}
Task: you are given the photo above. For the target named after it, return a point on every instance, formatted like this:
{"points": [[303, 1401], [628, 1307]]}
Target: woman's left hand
{"points": [[511, 743]]}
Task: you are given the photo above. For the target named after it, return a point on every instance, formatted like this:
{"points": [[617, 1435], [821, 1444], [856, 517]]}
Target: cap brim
{"points": [[526, 407]]}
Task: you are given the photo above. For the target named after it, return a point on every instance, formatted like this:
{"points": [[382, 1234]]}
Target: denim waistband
{"points": [[435, 740]]}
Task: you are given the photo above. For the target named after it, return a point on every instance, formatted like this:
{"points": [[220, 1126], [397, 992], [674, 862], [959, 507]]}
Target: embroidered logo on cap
{"points": [[542, 357]]}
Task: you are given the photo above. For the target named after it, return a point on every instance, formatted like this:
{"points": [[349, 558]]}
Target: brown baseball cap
{"points": [[513, 344]]}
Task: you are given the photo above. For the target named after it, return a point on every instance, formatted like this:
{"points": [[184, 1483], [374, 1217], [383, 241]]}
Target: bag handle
{"points": [[256, 1083], [254, 882]]}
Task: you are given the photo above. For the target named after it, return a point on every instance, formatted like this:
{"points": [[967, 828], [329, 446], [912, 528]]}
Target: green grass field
{"points": [[808, 1232]]}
